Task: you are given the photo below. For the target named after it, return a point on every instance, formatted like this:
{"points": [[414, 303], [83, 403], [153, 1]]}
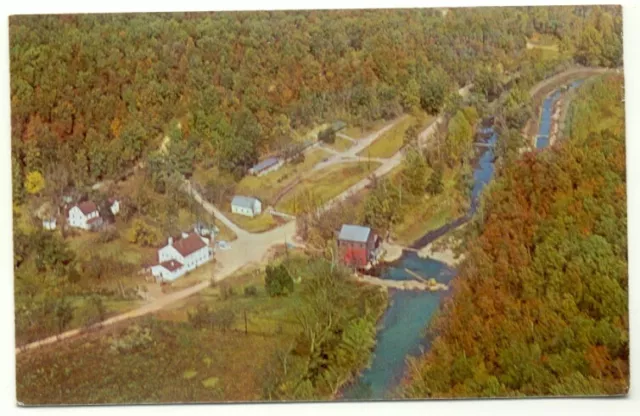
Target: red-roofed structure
{"points": [[182, 255]]}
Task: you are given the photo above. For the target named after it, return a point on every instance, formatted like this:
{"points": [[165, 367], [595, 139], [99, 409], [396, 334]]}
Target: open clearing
{"points": [[257, 224], [267, 187], [341, 144], [88, 370], [328, 183], [430, 212], [358, 132], [392, 140]]}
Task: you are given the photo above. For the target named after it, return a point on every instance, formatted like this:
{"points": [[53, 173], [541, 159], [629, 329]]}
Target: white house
{"points": [[114, 205], [268, 165], [246, 205], [84, 215], [49, 223], [181, 256]]}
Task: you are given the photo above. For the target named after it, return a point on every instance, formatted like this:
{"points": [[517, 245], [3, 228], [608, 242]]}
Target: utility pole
{"points": [[245, 322]]}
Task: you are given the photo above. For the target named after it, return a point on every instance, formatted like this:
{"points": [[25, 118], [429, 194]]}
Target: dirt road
{"points": [[248, 247]]}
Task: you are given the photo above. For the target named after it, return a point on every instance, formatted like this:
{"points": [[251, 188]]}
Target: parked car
{"points": [[223, 245]]}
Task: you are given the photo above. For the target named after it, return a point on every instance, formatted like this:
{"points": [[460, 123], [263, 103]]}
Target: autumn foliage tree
{"points": [[540, 306]]}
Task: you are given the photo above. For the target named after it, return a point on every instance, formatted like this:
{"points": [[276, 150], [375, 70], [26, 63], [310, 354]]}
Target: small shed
{"points": [[114, 205], [268, 165], [246, 205]]}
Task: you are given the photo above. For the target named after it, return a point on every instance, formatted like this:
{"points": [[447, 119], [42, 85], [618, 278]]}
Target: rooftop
{"points": [[189, 244], [356, 233], [171, 265], [265, 164], [87, 207], [243, 201]]}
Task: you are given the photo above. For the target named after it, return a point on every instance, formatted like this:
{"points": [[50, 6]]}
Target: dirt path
{"points": [[248, 247]]}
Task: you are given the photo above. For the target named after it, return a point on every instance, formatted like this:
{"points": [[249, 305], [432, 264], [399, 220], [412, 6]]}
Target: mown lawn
{"points": [[267, 187], [327, 184]]}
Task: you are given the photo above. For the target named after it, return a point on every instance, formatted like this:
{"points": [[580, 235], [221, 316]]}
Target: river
{"points": [[402, 330]]}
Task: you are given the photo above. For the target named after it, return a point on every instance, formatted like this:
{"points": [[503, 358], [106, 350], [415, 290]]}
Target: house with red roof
{"points": [[84, 215], [181, 255]]}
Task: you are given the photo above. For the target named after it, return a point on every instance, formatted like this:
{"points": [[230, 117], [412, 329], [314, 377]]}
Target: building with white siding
{"points": [[182, 255]]}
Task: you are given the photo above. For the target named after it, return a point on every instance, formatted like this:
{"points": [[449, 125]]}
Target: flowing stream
{"points": [[402, 330]]}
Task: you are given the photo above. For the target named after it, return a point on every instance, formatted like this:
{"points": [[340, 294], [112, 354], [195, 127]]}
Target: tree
{"points": [[278, 281], [34, 182], [16, 180], [414, 174], [327, 135], [434, 89], [411, 135], [142, 234], [382, 207], [435, 185], [488, 83], [411, 96], [63, 313], [459, 141]]}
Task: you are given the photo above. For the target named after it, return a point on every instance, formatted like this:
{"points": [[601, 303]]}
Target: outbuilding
{"points": [[268, 165], [357, 245], [246, 205]]}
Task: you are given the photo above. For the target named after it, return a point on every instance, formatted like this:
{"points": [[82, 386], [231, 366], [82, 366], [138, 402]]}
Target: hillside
{"points": [[540, 306]]}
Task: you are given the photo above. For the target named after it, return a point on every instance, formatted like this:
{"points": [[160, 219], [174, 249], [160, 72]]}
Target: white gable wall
{"points": [[77, 218], [168, 252], [160, 273], [190, 262]]}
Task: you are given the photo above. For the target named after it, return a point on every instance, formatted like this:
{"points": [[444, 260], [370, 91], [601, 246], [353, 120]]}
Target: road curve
{"points": [[248, 247]]}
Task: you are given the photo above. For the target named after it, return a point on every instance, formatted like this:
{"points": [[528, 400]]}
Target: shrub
{"points": [[226, 291], [278, 281], [108, 235], [135, 338], [250, 291]]}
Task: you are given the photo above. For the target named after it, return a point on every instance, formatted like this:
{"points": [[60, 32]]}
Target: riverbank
{"points": [[445, 254], [541, 91]]}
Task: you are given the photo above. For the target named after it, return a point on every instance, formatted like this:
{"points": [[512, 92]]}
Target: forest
{"points": [[540, 306], [91, 95]]}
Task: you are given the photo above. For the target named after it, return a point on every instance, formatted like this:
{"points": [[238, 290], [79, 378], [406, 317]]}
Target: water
{"points": [[482, 174], [544, 129], [402, 332], [402, 328]]}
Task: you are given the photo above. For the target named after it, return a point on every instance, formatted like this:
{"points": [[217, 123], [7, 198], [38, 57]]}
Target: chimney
{"points": [[170, 242]]}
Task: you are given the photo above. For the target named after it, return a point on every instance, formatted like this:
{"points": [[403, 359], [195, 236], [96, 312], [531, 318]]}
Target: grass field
{"points": [[358, 132], [392, 140], [267, 187], [179, 363], [341, 144], [328, 183], [257, 224], [431, 212]]}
